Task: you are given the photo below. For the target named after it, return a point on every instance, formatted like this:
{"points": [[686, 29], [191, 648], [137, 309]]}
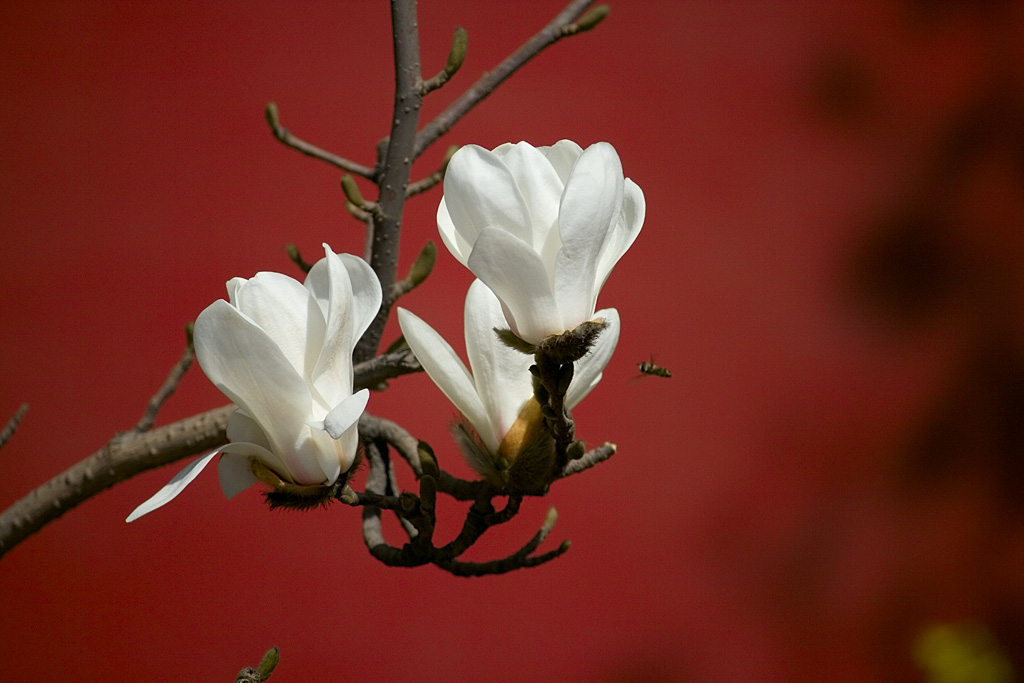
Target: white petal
{"points": [[448, 372], [245, 364], [562, 156], [591, 202], [366, 292], [346, 413], [348, 291], [575, 289], [457, 243], [234, 470], [480, 191], [175, 486], [541, 188], [233, 285], [590, 368], [515, 273], [242, 429], [502, 375], [624, 230], [281, 307]]}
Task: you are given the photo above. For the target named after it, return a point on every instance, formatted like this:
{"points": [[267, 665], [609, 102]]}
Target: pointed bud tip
{"points": [[592, 18], [424, 264], [272, 116], [269, 661], [457, 53], [351, 190]]}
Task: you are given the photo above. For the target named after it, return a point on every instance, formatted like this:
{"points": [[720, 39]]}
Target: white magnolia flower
{"points": [[541, 226], [282, 352], [496, 394]]}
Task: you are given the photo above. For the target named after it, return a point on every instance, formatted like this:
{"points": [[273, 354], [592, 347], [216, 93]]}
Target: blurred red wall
{"points": [[831, 266]]}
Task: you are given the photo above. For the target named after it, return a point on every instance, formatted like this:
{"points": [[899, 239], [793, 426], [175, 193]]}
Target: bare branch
{"points": [[418, 272], [114, 463], [559, 27], [145, 423], [123, 458], [286, 138], [397, 160], [591, 458], [296, 258], [456, 56], [434, 178], [12, 424], [518, 560]]}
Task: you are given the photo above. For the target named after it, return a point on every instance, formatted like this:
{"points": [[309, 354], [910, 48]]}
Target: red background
{"points": [[771, 513]]}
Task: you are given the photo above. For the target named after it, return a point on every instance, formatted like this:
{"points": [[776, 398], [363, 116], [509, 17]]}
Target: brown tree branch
{"points": [[114, 463], [559, 27], [286, 138], [129, 455], [145, 423], [589, 459], [386, 229]]}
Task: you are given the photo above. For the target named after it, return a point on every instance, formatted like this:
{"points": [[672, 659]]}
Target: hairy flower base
{"points": [[283, 494], [567, 347], [525, 465]]}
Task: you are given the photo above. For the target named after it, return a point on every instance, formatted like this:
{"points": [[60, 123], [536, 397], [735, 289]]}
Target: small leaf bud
{"points": [[272, 116], [351, 190], [269, 661], [423, 264], [575, 450], [457, 53], [428, 461], [448, 154], [592, 18]]}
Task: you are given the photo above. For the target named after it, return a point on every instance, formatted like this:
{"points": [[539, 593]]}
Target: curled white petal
{"points": [[501, 374], [448, 372], [172, 488], [346, 414]]}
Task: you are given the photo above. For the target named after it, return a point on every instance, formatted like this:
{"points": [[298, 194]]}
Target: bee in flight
{"points": [[649, 368]]}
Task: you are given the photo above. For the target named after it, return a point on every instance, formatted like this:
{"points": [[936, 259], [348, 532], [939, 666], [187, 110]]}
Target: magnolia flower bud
{"points": [[541, 226], [282, 352], [511, 446]]}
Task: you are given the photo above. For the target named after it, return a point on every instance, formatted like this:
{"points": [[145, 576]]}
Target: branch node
{"points": [[588, 21]]}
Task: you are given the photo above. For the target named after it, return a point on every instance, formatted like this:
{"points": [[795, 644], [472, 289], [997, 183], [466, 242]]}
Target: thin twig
{"points": [[373, 533], [145, 423], [423, 184], [550, 34], [406, 445], [589, 459], [285, 137], [518, 560], [12, 424]]}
